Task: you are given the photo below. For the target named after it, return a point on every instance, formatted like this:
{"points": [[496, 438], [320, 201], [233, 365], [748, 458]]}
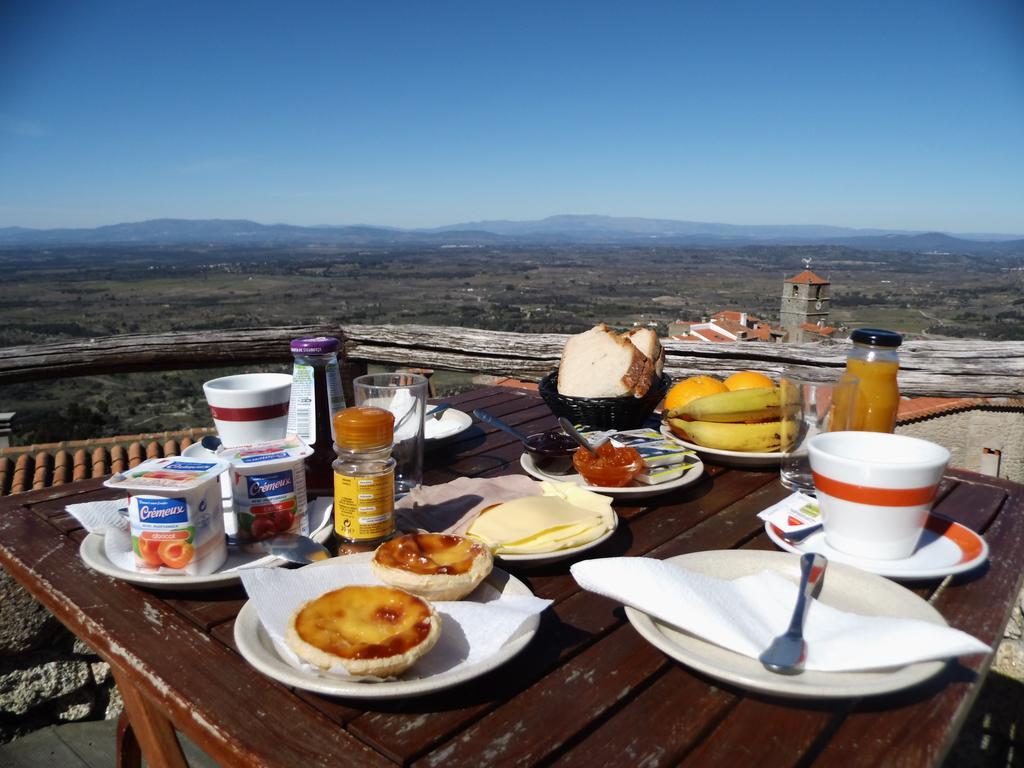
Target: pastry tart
{"points": [[437, 566], [369, 630]]}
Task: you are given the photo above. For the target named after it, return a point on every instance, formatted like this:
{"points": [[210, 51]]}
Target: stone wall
{"points": [[47, 675]]}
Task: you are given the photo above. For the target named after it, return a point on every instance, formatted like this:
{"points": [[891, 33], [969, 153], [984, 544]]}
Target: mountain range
{"points": [[560, 230]]}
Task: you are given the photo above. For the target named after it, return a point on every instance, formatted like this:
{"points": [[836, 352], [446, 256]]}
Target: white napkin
{"points": [[472, 629], [105, 519], [745, 615], [435, 429]]}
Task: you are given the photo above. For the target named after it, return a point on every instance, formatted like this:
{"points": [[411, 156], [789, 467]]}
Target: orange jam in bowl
{"points": [[613, 467]]}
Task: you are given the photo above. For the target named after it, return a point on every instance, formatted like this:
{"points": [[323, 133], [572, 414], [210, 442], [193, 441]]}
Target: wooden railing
{"points": [[955, 368]]}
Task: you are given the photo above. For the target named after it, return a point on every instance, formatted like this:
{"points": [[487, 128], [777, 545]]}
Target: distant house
{"points": [[726, 326]]}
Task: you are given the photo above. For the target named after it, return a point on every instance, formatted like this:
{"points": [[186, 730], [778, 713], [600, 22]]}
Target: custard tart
{"points": [[369, 630], [437, 566]]}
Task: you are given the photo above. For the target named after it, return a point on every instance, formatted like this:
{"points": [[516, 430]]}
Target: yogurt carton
{"points": [[268, 487], [175, 513]]}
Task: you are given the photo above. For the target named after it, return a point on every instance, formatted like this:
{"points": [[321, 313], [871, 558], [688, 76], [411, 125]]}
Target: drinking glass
{"points": [[808, 409], [405, 395]]}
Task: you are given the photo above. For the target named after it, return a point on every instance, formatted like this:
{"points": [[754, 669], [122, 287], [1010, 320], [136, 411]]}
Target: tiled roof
{"points": [[27, 468], [922, 408], [807, 277], [821, 330]]}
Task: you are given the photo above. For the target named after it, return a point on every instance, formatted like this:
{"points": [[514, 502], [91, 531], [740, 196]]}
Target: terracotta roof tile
{"points": [[713, 336], [807, 277], [23, 468], [822, 330]]}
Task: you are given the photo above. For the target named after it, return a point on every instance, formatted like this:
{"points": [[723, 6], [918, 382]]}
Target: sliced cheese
{"points": [[564, 516]]}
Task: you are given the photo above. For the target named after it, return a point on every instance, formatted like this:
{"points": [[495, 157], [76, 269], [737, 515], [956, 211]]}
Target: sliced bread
{"points": [[647, 342], [601, 363]]}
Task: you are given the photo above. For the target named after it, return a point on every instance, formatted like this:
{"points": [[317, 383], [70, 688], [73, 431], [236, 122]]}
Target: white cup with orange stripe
{"points": [[875, 490], [249, 408]]}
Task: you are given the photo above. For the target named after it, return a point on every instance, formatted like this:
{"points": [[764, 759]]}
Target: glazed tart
{"points": [[369, 630], [437, 566]]}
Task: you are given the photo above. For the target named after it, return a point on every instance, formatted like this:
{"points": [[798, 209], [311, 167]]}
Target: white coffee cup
{"points": [[875, 490], [249, 407]]}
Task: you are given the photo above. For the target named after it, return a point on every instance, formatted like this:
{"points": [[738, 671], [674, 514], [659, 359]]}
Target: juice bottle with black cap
{"points": [[875, 361]]}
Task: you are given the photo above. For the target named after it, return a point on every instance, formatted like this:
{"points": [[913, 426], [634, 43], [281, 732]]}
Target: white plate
{"points": [[635, 491], [731, 458], [258, 649], [94, 556], [844, 587], [455, 420], [543, 558], [945, 548]]}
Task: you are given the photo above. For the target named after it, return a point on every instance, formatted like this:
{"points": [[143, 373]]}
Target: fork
{"points": [[787, 652]]}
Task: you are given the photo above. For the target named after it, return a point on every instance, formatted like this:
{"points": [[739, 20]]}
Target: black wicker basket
{"points": [[625, 412]]}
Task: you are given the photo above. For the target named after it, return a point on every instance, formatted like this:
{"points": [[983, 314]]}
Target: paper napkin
{"points": [[106, 519], [746, 614], [451, 507], [435, 429], [472, 629]]}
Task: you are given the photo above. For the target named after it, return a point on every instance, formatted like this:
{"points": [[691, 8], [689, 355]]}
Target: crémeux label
{"points": [[364, 507]]}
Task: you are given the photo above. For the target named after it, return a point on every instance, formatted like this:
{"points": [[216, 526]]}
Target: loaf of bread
{"points": [[602, 363]]}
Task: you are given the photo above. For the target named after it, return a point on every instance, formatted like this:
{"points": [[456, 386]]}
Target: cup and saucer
{"points": [[875, 491]]}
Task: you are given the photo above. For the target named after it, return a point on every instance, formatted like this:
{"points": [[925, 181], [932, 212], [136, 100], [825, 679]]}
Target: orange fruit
{"points": [[689, 389], [748, 380]]}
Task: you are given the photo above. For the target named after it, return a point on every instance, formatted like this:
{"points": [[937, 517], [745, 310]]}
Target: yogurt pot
{"points": [[175, 514], [268, 487]]}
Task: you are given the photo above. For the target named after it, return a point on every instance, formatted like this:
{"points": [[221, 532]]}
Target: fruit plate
{"points": [[636, 491], [729, 458], [94, 555], [256, 645]]}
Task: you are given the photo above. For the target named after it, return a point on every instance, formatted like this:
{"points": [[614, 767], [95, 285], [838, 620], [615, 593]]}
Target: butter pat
{"points": [[564, 516]]}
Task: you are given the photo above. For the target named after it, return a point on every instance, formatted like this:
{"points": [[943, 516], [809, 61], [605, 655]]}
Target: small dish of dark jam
{"points": [[551, 451]]}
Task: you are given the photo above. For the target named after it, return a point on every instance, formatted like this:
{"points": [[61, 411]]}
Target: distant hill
{"points": [[564, 229]]}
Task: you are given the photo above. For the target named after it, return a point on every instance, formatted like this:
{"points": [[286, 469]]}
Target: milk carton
{"points": [[268, 487], [175, 513]]}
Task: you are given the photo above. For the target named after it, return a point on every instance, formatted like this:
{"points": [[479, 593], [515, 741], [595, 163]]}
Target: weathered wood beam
{"points": [[950, 368]]}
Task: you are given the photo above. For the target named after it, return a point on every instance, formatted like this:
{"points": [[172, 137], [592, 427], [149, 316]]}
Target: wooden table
{"points": [[586, 691]]}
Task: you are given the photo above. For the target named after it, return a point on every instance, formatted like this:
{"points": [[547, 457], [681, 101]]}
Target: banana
{"points": [[760, 437], [760, 404]]}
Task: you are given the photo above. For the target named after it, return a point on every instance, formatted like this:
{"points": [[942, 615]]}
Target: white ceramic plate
{"points": [[844, 587], [543, 558], [258, 649], [729, 458], [634, 491], [945, 548], [455, 422], [94, 556]]}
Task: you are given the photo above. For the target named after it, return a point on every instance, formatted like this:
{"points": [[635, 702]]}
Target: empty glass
{"points": [[405, 395], [810, 408]]}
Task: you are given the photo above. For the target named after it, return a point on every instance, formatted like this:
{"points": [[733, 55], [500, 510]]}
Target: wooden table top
{"points": [[587, 690]]}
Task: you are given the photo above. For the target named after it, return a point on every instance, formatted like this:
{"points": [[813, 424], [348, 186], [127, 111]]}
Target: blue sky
{"points": [[904, 114]]}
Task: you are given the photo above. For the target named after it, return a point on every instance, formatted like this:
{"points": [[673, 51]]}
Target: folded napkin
{"points": [[106, 519], [435, 429], [472, 629], [746, 614], [451, 507]]}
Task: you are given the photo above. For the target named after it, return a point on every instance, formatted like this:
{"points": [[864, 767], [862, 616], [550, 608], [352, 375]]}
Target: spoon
{"points": [[570, 430], [494, 421], [785, 656], [437, 411], [288, 546]]}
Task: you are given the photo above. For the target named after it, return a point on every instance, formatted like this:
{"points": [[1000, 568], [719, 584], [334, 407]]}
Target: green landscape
{"points": [[75, 293]]}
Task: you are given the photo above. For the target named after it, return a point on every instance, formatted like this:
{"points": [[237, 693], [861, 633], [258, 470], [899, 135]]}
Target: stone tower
{"points": [[805, 299]]}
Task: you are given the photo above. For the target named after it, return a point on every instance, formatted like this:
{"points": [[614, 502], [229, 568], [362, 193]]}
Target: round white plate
{"points": [[455, 422], [730, 458], [543, 558], [93, 555], [945, 548], [258, 649], [844, 587], [635, 491]]}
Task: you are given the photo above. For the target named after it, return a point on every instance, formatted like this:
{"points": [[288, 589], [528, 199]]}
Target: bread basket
{"points": [[626, 412]]}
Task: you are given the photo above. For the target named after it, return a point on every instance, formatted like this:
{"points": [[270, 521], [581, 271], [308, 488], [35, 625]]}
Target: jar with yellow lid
{"points": [[364, 476]]}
